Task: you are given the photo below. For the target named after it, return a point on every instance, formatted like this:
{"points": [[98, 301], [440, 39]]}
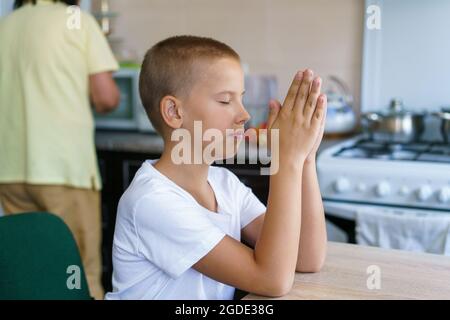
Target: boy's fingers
{"points": [[326, 109], [292, 92], [322, 125], [274, 108], [320, 112], [303, 93], [311, 103]]}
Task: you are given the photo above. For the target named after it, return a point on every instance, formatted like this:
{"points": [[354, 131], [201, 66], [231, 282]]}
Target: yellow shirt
{"points": [[46, 122]]}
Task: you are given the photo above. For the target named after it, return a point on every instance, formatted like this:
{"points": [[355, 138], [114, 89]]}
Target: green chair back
{"points": [[39, 259]]}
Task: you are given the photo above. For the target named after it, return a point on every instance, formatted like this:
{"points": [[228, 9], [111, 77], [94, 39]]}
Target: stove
{"points": [[394, 177], [421, 151]]}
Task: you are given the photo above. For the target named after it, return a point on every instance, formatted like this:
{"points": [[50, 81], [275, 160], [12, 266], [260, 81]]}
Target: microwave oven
{"points": [[130, 114]]}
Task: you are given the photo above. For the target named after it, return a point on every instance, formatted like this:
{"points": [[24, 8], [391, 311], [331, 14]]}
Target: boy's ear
{"points": [[171, 111]]}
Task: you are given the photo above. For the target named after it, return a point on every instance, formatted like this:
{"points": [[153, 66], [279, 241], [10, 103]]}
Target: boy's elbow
{"points": [[282, 289], [278, 286], [311, 267]]}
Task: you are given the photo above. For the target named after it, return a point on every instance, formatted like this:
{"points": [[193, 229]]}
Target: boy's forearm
{"points": [[277, 246], [313, 237]]}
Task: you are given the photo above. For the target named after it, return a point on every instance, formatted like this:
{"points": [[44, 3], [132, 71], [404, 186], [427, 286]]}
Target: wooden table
{"points": [[403, 275]]}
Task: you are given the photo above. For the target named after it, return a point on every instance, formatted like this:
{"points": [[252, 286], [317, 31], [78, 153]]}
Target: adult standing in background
{"points": [[48, 74]]}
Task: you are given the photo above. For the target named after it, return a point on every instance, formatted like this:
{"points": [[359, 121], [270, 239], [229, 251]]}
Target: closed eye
{"points": [[224, 102]]}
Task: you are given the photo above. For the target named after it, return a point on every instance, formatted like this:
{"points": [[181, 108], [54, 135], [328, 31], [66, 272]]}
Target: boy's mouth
{"points": [[238, 134]]}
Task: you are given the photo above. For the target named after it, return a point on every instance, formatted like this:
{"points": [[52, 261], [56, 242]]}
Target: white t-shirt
{"points": [[161, 231]]}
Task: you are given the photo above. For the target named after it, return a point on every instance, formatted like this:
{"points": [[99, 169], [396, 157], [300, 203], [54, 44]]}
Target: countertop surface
{"points": [[130, 141], [350, 272]]}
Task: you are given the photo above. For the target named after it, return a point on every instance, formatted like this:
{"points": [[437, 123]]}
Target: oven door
{"points": [[341, 216], [412, 229]]}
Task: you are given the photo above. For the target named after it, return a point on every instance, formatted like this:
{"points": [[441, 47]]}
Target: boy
{"points": [[179, 225]]}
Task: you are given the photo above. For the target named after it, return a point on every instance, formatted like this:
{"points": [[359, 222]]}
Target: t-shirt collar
{"points": [[151, 162]]}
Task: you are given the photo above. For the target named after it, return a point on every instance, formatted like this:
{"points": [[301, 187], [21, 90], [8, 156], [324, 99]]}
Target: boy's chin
{"points": [[221, 152], [225, 156], [231, 152]]}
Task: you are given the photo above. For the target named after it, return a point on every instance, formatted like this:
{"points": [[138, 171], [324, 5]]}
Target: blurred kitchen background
{"points": [[272, 37], [384, 164]]}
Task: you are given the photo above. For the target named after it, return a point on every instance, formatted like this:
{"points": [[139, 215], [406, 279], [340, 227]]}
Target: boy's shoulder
{"points": [[146, 183]]}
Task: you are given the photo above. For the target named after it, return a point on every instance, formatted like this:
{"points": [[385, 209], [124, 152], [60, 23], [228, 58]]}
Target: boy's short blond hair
{"points": [[168, 69]]}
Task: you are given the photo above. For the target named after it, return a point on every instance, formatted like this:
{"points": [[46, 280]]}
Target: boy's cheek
{"points": [[227, 148]]}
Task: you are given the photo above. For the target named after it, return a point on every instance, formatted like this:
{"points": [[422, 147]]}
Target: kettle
{"points": [[341, 119]]}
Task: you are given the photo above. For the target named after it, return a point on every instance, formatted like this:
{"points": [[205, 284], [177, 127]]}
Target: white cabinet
{"points": [[408, 57]]}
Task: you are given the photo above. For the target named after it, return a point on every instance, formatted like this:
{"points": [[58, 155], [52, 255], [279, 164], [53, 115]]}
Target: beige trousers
{"points": [[80, 210]]}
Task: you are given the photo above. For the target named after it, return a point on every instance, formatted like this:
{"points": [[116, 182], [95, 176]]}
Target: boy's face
{"points": [[216, 101]]}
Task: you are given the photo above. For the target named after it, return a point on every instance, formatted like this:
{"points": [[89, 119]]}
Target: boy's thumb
{"points": [[274, 108]]}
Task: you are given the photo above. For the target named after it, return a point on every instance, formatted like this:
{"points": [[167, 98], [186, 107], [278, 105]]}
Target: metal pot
{"points": [[395, 125], [444, 115]]}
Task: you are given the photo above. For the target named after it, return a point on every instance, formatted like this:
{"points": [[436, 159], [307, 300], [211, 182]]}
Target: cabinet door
{"points": [[253, 179], [129, 169], [108, 222]]}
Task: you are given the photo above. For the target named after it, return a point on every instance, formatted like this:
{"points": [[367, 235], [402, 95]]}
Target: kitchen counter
{"points": [[403, 275], [131, 141], [152, 143], [128, 141]]}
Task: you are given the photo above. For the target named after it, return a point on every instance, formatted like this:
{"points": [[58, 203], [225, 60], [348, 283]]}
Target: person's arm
{"points": [[313, 240], [103, 92], [269, 269], [313, 237]]}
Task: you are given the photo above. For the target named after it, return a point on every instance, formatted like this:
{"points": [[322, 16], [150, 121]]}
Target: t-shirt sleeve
{"points": [[251, 207], [98, 53], [172, 233]]}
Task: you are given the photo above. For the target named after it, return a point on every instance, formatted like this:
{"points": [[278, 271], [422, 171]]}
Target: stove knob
{"points": [[424, 193], [444, 195], [342, 185], [404, 191], [383, 189], [361, 187]]}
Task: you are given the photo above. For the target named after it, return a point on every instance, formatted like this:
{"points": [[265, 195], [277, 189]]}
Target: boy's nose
{"points": [[245, 116]]}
